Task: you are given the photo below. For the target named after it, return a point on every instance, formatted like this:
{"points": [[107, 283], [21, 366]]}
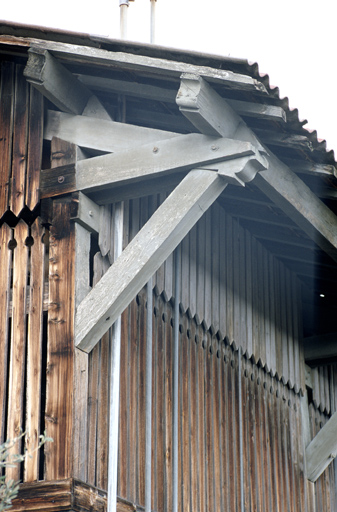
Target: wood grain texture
{"points": [[5, 283], [6, 130], [35, 142], [34, 350], [18, 344], [60, 356]]}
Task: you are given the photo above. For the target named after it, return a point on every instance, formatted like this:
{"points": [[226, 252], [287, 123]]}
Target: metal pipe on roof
{"points": [[153, 21], [123, 4]]}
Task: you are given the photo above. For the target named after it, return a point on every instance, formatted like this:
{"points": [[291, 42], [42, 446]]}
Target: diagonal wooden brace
{"points": [[152, 245]]}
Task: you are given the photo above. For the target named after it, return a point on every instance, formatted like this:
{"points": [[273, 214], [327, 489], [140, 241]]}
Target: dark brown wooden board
{"points": [[6, 131], [60, 356]]}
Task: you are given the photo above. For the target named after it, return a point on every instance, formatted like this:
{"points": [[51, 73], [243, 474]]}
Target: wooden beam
{"points": [[140, 163], [212, 115], [60, 86], [144, 255], [322, 450], [321, 349], [147, 251], [100, 134], [150, 65], [165, 95]]}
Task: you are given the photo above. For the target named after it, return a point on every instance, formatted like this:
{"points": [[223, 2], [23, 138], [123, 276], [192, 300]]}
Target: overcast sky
{"points": [[294, 41]]}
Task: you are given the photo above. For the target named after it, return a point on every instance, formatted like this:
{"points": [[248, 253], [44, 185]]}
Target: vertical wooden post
{"points": [[60, 353]]}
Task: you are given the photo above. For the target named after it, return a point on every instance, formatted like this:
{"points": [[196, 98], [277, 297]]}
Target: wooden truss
{"points": [[140, 161]]}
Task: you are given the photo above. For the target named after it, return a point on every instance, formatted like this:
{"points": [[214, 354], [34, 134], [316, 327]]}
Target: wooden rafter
{"points": [[60, 86], [212, 115]]}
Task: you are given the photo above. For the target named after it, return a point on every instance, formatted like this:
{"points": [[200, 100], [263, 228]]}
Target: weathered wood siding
{"points": [[21, 127]]}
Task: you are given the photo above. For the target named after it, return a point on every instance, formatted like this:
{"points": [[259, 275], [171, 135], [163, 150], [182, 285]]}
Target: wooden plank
{"points": [[162, 94], [51, 496], [59, 412], [34, 151], [6, 131], [34, 350], [156, 160], [210, 113], [148, 250], [322, 450], [5, 283], [100, 134], [86, 212], [55, 82], [155, 66], [20, 135], [18, 345]]}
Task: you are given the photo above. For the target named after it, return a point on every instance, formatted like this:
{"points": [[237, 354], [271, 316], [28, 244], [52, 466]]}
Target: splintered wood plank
{"points": [[19, 159], [6, 131], [5, 280], [18, 343], [34, 350], [35, 141], [60, 354]]}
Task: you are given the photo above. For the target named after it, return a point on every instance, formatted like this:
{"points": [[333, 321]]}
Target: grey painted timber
{"points": [[322, 450], [144, 255], [212, 115]]}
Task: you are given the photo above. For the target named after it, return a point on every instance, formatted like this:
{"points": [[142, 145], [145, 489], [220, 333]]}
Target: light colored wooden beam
{"points": [[60, 86], [99, 134], [150, 248], [212, 115], [322, 450], [144, 255], [319, 349], [157, 67], [141, 163], [165, 95]]}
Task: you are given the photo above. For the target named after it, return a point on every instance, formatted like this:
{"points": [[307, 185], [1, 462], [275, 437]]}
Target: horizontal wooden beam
{"points": [[212, 115], [98, 134], [321, 349], [166, 95], [141, 163], [322, 450], [151, 65], [67, 495]]}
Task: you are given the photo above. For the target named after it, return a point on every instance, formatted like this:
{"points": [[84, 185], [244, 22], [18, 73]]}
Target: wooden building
{"points": [[167, 273]]}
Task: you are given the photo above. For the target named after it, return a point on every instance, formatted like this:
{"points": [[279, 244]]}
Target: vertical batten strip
{"points": [[18, 344], [6, 131], [19, 159], [175, 447], [34, 350], [5, 280], [35, 142], [148, 399]]}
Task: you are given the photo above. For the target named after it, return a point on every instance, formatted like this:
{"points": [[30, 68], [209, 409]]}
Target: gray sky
{"points": [[294, 42]]}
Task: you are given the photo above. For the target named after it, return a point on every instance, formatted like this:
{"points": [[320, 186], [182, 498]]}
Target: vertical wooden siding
{"points": [[233, 286], [21, 126], [22, 256]]}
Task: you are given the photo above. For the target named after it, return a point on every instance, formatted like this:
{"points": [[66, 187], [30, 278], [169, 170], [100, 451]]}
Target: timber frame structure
{"points": [[168, 270]]}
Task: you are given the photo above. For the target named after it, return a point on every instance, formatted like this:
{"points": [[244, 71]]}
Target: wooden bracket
{"points": [[212, 115]]}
